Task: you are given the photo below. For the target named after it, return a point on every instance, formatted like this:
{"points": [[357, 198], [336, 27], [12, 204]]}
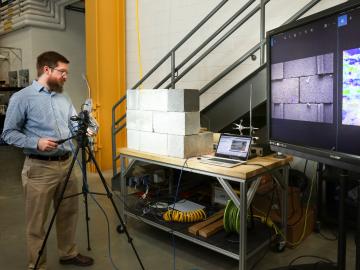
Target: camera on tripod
{"points": [[86, 124]]}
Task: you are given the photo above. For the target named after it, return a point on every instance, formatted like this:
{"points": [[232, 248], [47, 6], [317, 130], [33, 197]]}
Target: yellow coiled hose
{"points": [[179, 216]]}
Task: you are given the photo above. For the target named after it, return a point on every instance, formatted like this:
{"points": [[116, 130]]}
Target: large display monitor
{"points": [[314, 87]]}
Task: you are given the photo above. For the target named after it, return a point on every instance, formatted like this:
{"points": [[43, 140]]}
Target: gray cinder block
{"points": [[139, 120], [132, 99], [131, 116], [277, 110], [285, 91], [177, 123], [153, 142], [153, 100], [190, 145], [325, 63], [300, 67], [277, 71], [328, 113], [316, 89], [302, 112], [325, 113], [183, 100], [133, 139], [169, 100]]}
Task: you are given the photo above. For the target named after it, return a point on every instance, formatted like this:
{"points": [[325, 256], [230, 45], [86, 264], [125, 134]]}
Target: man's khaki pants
{"points": [[43, 182]]}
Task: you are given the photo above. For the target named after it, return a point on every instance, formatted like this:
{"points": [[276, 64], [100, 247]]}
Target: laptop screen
{"points": [[233, 146]]}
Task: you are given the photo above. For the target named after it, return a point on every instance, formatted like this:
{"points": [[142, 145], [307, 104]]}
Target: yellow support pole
{"points": [[106, 68]]}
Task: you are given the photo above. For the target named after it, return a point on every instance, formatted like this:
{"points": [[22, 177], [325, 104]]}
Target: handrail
{"points": [[302, 11], [230, 68], [172, 51], [206, 42], [114, 131], [218, 42]]}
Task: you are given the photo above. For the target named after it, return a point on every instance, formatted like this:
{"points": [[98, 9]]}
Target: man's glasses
{"points": [[63, 72]]}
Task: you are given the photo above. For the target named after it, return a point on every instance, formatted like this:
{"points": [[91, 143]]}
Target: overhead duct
{"points": [[37, 13]]}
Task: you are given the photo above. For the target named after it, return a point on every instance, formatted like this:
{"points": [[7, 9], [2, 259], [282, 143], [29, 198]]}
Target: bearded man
{"points": [[37, 117]]}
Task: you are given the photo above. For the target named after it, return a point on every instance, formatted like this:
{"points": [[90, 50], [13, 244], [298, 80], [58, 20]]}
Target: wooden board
{"points": [[212, 229], [194, 229]]}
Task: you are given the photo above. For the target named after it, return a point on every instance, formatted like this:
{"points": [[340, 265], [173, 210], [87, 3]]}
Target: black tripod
{"points": [[83, 144]]}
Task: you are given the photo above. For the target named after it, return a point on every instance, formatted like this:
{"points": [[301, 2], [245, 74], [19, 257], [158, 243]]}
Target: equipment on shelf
{"points": [[180, 216], [232, 219]]}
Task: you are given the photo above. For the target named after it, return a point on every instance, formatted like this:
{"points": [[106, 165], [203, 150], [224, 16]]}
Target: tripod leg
{"points": [[85, 193], [56, 209], [109, 195]]}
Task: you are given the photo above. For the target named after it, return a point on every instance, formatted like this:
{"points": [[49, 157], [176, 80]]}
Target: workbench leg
{"points": [[123, 194], [243, 226]]}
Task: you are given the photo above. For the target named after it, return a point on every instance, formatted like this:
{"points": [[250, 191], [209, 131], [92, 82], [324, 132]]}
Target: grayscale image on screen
{"points": [[302, 89]]}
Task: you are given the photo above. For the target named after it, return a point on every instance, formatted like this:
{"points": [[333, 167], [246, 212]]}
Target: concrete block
{"points": [[153, 100], [183, 100], [285, 91], [131, 118], [153, 143], [277, 71], [325, 63], [139, 120], [316, 89], [300, 67], [301, 112], [145, 121], [206, 142], [328, 113], [190, 145], [177, 123], [132, 99], [277, 110], [320, 113], [133, 139]]}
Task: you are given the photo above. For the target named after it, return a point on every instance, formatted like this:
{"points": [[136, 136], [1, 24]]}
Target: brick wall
{"points": [[302, 89]]}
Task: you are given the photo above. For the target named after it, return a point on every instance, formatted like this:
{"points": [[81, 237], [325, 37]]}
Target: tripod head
{"points": [[82, 120], [86, 125]]}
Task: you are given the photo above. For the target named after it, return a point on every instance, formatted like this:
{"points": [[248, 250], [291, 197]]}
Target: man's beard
{"points": [[55, 85]]}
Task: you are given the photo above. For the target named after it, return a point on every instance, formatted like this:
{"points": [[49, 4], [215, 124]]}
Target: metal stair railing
{"points": [[202, 45], [174, 69]]}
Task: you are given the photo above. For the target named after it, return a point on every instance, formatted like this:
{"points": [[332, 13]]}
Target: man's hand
{"points": [[46, 144]]}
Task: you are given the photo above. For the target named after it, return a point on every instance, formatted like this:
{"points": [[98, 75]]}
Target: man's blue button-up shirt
{"points": [[35, 113]]}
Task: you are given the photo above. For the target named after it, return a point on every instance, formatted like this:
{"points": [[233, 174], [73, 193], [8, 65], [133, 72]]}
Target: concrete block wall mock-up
{"points": [[166, 122], [302, 89]]}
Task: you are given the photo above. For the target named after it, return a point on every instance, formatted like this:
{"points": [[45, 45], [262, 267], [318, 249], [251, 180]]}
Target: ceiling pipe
{"points": [[57, 22], [47, 10]]}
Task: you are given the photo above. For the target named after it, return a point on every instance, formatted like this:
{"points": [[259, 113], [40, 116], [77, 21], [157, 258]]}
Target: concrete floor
{"points": [[154, 246]]}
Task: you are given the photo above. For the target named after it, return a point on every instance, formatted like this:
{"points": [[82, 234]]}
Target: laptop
{"points": [[232, 150]]}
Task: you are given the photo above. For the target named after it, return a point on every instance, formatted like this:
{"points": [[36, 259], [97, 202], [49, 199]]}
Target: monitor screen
{"points": [[233, 146], [314, 82]]}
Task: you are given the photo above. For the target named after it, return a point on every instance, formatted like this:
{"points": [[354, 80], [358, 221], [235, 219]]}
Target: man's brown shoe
{"points": [[79, 260]]}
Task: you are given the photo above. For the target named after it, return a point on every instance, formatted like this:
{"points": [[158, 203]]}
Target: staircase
{"points": [[232, 105]]}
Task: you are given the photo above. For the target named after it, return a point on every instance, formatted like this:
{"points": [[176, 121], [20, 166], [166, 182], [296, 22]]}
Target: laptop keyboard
{"points": [[224, 160]]}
